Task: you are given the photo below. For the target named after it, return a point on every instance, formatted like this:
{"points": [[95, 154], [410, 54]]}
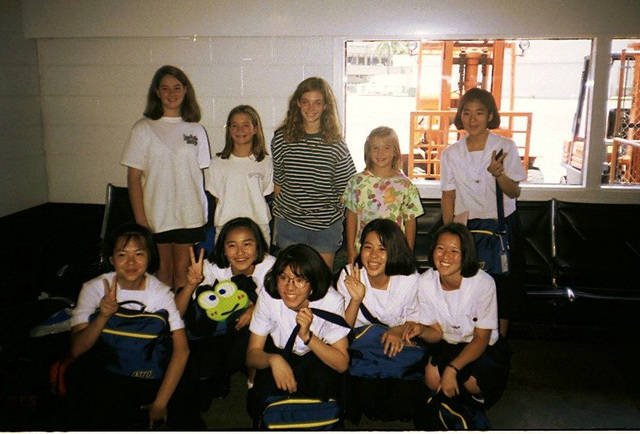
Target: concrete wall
{"points": [[96, 58], [23, 175]]}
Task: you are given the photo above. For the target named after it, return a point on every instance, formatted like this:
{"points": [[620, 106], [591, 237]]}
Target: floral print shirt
{"points": [[371, 197]]}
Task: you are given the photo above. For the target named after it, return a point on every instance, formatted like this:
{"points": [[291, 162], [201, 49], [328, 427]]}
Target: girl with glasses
{"points": [[299, 280]]}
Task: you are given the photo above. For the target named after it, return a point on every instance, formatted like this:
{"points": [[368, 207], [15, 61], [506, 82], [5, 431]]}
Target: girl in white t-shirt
{"points": [[459, 314], [240, 252], [165, 157], [242, 174], [106, 400], [384, 281], [299, 280]]}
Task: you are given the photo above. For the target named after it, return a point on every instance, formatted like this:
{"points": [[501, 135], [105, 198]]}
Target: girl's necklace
{"points": [[477, 153], [476, 159]]}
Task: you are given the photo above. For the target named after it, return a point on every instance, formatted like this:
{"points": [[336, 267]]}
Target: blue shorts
{"points": [[180, 236], [327, 240]]}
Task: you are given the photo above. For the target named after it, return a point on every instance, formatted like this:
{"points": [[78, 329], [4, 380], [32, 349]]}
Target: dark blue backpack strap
{"points": [[326, 315], [369, 316], [141, 306], [500, 204], [331, 317], [288, 348]]}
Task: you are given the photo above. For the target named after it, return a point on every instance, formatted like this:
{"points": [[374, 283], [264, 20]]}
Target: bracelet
{"points": [[454, 368], [499, 174], [308, 340]]}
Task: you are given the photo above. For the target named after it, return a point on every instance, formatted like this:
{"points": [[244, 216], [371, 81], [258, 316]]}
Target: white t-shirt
{"points": [[155, 296], [272, 317], [391, 306], [466, 173], [212, 273], [171, 154], [240, 184], [459, 311]]}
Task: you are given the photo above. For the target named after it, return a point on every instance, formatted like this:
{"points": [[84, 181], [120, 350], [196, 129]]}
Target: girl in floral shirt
{"points": [[380, 191]]}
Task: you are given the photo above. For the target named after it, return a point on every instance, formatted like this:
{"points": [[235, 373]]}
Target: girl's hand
{"points": [[156, 413], [354, 285], [283, 374], [109, 302], [245, 318], [304, 318], [496, 167], [449, 382], [194, 272], [411, 330], [393, 343]]}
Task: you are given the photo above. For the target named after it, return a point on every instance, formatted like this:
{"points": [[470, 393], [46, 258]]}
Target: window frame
{"points": [[591, 190]]}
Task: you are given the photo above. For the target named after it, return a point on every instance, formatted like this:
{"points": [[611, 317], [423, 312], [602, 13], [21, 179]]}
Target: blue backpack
{"points": [[217, 307], [301, 414], [492, 239], [456, 413], [368, 359], [298, 413], [135, 343]]}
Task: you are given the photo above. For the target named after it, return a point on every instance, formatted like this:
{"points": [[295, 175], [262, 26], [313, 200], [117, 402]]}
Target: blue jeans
{"points": [[326, 240]]}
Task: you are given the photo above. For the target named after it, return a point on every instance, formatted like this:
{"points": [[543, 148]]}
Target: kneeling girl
{"points": [[458, 303], [382, 287], [241, 256], [114, 401], [300, 280]]}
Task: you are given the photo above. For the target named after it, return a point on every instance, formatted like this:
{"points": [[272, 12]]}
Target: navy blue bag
{"points": [[135, 343], [216, 308], [368, 359], [298, 413], [492, 239], [301, 414], [455, 413], [492, 245]]}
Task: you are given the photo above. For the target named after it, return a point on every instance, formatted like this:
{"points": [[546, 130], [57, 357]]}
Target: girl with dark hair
{"points": [[110, 401], [471, 168], [381, 287], [240, 249], [240, 255], [459, 314], [242, 174], [311, 167], [299, 280], [165, 157], [383, 279]]}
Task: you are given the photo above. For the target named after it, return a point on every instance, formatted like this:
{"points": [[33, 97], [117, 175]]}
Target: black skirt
{"points": [[490, 370], [102, 401]]}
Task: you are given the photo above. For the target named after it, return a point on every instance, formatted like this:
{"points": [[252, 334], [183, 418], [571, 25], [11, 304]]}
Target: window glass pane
{"points": [[413, 85], [622, 160]]}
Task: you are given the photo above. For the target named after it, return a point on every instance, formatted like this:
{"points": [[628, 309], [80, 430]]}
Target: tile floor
{"points": [[562, 378]]}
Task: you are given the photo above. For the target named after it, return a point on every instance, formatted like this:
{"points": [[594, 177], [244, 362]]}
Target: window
{"points": [[622, 159], [540, 86]]}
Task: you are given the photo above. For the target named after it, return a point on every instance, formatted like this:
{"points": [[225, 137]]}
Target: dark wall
{"points": [[37, 243]]}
